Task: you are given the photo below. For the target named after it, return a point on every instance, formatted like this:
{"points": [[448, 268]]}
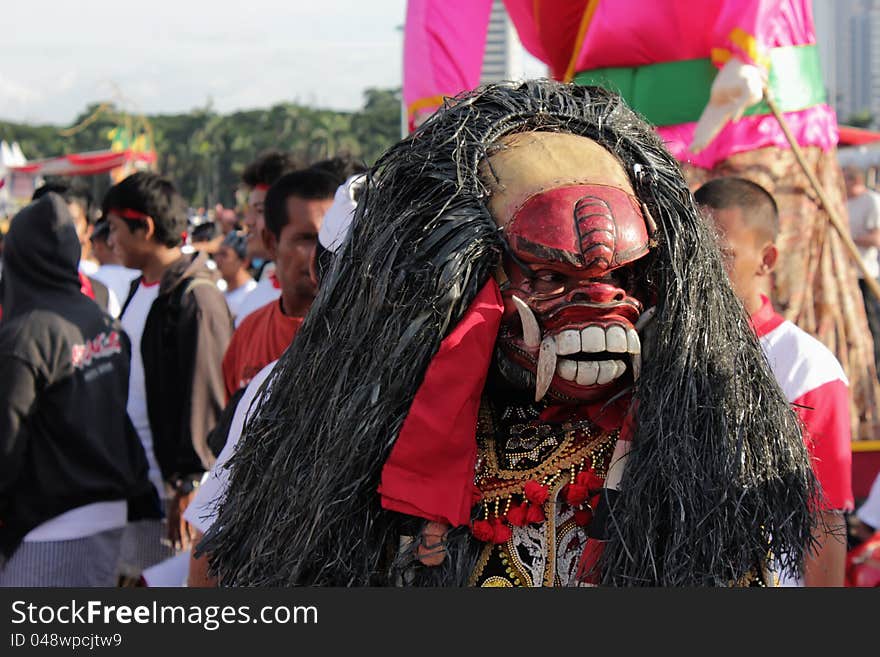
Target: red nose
{"points": [[596, 293]]}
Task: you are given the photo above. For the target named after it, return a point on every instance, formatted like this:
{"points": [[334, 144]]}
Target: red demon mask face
{"points": [[573, 296]]}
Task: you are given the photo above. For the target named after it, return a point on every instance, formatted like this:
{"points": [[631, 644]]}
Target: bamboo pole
{"points": [[833, 216]]}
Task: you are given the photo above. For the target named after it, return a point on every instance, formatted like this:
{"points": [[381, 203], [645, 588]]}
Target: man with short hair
{"points": [[233, 262], [179, 327], [863, 207], [258, 176], [214, 486], [294, 209], [747, 221]]}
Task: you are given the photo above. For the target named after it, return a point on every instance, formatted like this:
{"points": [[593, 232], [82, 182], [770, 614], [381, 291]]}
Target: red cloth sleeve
{"points": [[230, 366], [430, 471], [825, 414]]}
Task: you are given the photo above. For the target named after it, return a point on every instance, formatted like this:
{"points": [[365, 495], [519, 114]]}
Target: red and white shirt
{"points": [[814, 383]]}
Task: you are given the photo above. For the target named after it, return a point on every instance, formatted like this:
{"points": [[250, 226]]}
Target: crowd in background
{"points": [[130, 328], [136, 332]]}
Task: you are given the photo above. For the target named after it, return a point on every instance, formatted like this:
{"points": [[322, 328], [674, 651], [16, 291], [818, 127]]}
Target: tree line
{"points": [[204, 152]]}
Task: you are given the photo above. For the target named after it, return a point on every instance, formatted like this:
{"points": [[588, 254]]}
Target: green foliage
{"points": [[205, 152]]}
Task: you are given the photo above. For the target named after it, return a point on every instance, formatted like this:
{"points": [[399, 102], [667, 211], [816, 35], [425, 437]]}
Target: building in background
{"points": [[503, 58], [848, 36]]}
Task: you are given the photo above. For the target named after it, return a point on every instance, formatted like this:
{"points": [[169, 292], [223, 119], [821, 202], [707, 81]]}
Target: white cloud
{"points": [[173, 55]]}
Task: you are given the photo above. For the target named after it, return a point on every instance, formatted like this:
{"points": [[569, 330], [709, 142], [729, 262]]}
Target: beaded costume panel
{"points": [[539, 483]]}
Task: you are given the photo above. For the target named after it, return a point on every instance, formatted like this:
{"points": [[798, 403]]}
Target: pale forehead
{"points": [[533, 162]]}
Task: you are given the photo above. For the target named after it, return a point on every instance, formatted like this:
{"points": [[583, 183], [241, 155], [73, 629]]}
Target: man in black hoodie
{"points": [[69, 456], [179, 326], [79, 202]]}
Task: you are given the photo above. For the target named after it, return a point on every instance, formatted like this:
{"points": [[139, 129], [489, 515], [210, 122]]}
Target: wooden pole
{"points": [[833, 216]]}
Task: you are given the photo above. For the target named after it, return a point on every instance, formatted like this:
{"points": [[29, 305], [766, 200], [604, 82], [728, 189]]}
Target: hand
{"points": [[432, 546], [181, 534], [736, 87]]}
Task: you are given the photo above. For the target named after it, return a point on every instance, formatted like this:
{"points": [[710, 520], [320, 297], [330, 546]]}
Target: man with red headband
{"points": [[257, 177], [179, 326]]}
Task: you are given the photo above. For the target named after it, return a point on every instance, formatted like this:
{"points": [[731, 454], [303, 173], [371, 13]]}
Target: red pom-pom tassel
{"points": [[535, 514], [590, 479], [517, 515], [536, 493], [482, 530], [501, 533], [576, 494], [582, 517]]}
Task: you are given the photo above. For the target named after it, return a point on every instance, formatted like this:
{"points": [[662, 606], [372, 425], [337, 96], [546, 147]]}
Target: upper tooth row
{"points": [[595, 338]]}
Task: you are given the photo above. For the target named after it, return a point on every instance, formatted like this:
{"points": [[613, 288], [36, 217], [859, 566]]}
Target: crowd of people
{"points": [[121, 355], [136, 347]]}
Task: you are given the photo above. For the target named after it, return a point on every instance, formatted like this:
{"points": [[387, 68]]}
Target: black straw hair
{"points": [[718, 476]]}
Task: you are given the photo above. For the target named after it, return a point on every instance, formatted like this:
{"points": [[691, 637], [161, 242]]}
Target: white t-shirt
{"points": [[133, 321], [114, 307], [864, 216], [810, 375], [80, 522], [265, 291], [170, 573], [202, 511], [869, 512], [235, 298], [117, 279]]}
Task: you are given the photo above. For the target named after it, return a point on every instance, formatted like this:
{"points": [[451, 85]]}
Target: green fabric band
{"points": [[670, 93]]}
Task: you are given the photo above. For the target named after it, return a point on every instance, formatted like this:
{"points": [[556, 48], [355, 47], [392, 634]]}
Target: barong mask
{"points": [[572, 281]]}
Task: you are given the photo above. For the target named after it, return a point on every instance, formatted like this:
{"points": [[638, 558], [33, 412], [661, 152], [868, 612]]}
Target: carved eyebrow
{"points": [[523, 267]]}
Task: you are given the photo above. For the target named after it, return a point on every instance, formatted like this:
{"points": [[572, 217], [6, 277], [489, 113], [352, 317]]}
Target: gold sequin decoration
{"points": [[496, 582]]}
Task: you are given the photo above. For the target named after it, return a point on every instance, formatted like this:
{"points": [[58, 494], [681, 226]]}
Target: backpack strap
{"points": [[132, 289]]}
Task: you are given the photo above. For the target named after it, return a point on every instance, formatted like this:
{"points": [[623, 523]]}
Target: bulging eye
{"points": [[547, 281]]}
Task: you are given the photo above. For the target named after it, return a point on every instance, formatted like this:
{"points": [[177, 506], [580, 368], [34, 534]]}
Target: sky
{"points": [[167, 56]]}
